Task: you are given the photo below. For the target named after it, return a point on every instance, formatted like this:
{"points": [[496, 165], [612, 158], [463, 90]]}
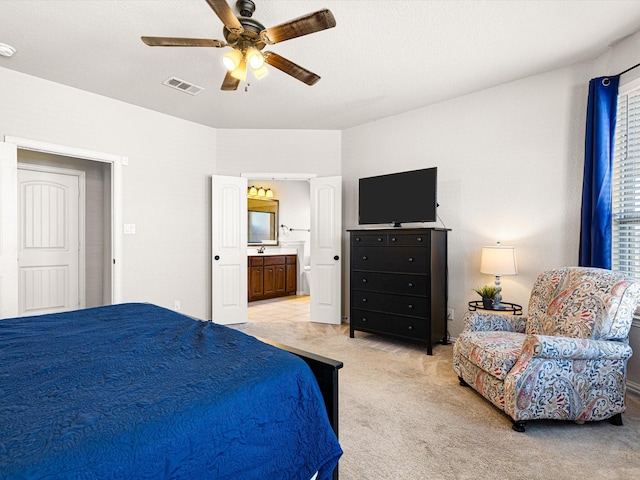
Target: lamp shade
{"points": [[499, 260]]}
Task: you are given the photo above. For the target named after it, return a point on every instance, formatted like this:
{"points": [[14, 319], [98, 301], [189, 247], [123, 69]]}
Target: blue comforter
{"points": [[136, 391]]}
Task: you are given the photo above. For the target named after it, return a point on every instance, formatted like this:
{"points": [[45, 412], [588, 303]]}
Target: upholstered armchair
{"points": [[566, 360]]}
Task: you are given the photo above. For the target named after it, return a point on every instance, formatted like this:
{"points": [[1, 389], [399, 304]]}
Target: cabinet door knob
{"points": [[364, 280], [364, 319], [364, 300], [419, 239], [394, 239], [364, 257], [357, 239], [410, 307], [410, 327], [217, 257], [379, 239], [411, 259], [336, 257], [410, 284]]}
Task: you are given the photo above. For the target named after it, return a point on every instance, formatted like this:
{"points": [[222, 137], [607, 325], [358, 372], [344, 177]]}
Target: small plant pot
{"points": [[487, 302]]}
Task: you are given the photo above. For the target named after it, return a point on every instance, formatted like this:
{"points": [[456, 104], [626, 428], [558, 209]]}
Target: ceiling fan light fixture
{"points": [[240, 73], [260, 72], [232, 59], [254, 58]]}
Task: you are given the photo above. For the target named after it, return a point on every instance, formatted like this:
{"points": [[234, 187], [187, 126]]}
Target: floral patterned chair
{"points": [[566, 360]]}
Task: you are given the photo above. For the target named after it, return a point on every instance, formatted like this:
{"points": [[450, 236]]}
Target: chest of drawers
{"points": [[398, 283]]}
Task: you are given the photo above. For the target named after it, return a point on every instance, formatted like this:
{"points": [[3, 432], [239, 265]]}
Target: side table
{"points": [[505, 307]]}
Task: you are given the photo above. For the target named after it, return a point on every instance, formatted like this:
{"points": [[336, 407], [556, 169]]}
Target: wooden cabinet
{"points": [[271, 276], [399, 283]]}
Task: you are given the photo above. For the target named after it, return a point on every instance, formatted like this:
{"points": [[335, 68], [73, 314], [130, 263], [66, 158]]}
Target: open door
{"points": [[326, 249], [8, 231], [229, 249]]}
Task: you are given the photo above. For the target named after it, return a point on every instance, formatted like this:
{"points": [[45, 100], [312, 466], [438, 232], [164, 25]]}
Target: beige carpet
{"points": [[403, 415]]}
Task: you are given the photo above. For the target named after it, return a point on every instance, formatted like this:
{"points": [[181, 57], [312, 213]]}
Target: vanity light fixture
{"points": [[260, 192]]}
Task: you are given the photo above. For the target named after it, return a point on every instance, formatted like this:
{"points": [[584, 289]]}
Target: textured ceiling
{"points": [[382, 58]]}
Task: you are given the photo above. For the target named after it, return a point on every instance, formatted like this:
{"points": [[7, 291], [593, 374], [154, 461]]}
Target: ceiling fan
{"points": [[248, 38]]}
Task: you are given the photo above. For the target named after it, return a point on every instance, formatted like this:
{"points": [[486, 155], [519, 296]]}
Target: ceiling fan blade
{"points": [[290, 68], [182, 42], [229, 83], [224, 12], [311, 23]]}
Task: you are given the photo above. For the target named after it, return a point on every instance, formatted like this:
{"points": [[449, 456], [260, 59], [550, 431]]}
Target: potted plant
{"points": [[488, 294]]}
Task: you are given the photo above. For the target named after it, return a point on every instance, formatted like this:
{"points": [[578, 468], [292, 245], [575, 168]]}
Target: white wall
{"points": [[509, 169], [166, 187], [278, 151]]}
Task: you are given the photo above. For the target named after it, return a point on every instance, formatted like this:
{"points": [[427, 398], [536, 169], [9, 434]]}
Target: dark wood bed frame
{"points": [[326, 373]]}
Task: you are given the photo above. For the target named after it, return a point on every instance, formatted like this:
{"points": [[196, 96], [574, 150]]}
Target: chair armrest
{"points": [[486, 322], [544, 346]]}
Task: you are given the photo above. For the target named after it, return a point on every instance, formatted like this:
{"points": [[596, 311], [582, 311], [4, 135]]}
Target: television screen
{"points": [[398, 197]]}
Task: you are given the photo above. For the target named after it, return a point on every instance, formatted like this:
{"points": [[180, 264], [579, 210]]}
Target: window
{"points": [[626, 182]]}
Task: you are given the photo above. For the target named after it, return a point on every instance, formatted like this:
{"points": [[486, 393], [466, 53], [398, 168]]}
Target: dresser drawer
{"points": [[369, 239], [390, 283], [414, 328], [398, 259], [421, 239], [389, 302]]}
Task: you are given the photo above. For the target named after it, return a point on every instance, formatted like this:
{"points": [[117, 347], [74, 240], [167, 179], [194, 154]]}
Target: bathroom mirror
{"points": [[262, 221]]}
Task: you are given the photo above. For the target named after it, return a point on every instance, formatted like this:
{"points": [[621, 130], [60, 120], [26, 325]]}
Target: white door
{"points": [[229, 249], [8, 231], [49, 242], [326, 249]]}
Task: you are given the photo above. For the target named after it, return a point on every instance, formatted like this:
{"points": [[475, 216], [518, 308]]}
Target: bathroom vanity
{"points": [[272, 273]]}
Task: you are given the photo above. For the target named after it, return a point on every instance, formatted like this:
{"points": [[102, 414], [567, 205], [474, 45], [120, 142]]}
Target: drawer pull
{"points": [[379, 239], [410, 284], [364, 257], [364, 280], [410, 327], [364, 319], [358, 239], [419, 239], [410, 307], [364, 300], [410, 259], [394, 239]]}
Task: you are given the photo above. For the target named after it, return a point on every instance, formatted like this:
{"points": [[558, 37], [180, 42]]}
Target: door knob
{"points": [[217, 257], [336, 257]]}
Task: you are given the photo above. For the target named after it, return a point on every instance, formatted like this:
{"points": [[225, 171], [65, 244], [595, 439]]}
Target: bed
{"points": [[138, 391]]}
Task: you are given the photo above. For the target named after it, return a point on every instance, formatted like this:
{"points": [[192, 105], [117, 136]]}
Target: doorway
{"points": [[310, 221], [110, 271]]}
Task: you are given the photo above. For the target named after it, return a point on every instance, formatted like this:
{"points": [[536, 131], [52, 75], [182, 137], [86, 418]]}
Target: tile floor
{"points": [[294, 308]]}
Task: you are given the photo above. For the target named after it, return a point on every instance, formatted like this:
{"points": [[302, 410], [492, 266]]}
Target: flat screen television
{"points": [[398, 198]]}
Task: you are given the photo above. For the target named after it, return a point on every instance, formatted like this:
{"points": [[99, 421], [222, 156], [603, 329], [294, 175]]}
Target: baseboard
{"points": [[633, 387]]}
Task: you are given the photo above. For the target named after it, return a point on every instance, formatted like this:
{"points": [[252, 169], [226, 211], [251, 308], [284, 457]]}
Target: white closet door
{"points": [[326, 249], [229, 249]]}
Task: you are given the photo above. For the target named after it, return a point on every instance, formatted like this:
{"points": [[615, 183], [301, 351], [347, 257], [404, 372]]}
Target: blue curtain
{"points": [[595, 228]]}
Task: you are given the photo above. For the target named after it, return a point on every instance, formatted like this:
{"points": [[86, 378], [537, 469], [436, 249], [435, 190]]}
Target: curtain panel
{"points": [[595, 227]]}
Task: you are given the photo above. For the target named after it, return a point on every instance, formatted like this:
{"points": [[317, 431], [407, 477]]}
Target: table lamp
{"points": [[498, 260]]}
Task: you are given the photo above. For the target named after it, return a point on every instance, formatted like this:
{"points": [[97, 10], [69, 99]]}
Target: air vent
{"points": [[183, 86]]}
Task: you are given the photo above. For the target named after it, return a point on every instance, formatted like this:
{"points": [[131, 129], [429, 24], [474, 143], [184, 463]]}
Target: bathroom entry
{"points": [[310, 221]]}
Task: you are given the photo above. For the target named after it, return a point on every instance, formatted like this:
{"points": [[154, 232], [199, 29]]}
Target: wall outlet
{"points": [[176, 305], [450, 314]]}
